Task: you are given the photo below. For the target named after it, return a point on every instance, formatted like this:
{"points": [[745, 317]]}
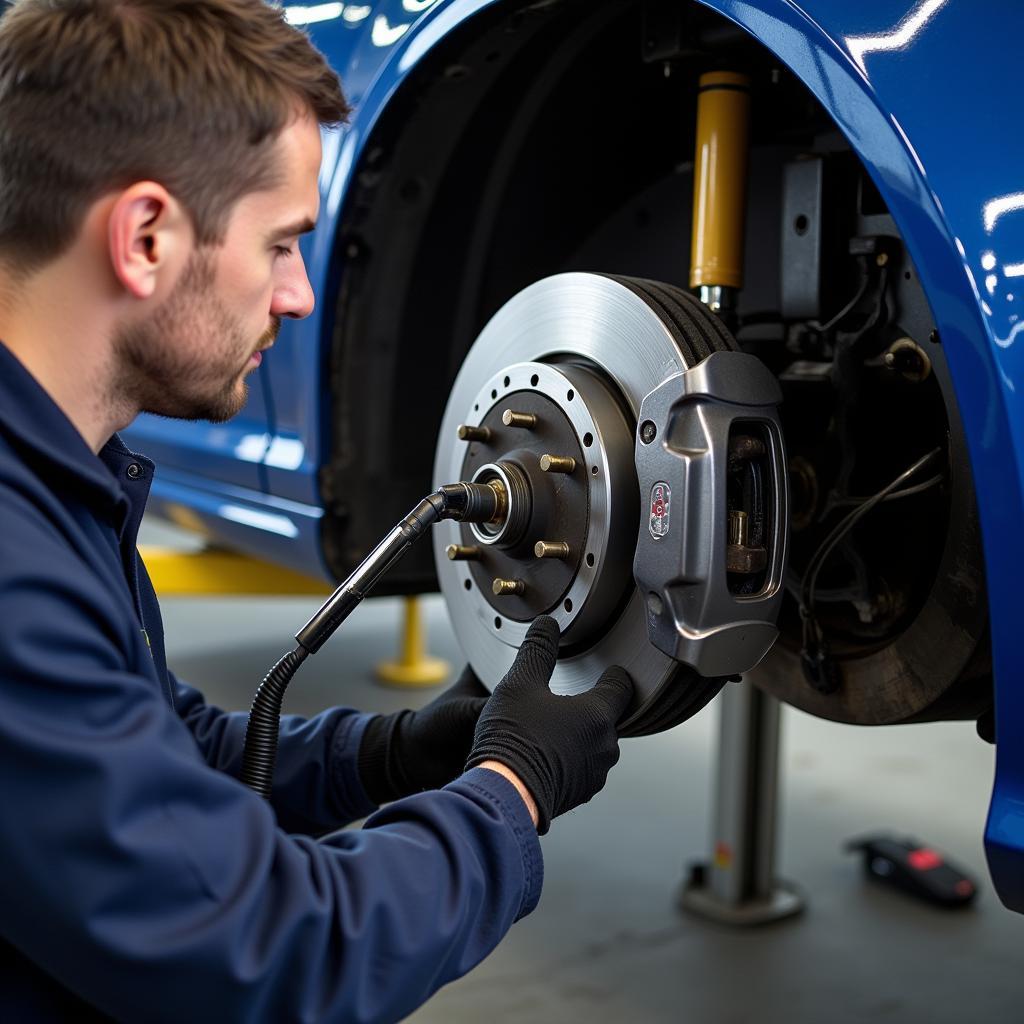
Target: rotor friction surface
{"points": [[622, 329]]}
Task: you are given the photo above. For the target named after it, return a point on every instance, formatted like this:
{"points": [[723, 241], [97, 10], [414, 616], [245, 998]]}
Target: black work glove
{"points": [[561, 747], [410, 751]]}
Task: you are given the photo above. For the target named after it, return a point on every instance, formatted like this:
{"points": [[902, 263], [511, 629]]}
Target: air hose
{"points": [[465, 502]]}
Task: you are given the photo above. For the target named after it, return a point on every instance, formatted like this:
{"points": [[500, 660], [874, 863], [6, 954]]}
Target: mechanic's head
{"points": [[166, 152]]}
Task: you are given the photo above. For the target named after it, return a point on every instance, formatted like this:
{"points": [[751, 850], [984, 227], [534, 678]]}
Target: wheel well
{"points": [[543, 138]]}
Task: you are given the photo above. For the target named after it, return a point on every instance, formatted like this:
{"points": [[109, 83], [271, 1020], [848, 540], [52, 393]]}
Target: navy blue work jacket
{"points": [[138, 876]]}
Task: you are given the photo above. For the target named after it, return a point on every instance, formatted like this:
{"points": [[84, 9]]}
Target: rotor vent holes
{"points": [[594, 470], [590, 560], [497, 622], [507, 381], [534, 381], [494, 392], [801, 224], [570, 395], [567, 605], [467, 584], [588, 439]]}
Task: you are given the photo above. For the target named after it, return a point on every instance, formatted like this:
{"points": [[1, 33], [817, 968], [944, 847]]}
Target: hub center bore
{"points": [[558, 441], [526, 430]]}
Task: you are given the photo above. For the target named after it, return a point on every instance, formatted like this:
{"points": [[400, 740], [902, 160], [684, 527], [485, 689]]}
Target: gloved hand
{"points": [[562, 748], [410, 751]]}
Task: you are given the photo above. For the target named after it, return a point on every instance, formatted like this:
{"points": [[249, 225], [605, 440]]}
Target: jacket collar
{"points": [[31, 417]]}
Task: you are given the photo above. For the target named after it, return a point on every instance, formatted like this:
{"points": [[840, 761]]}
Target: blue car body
{"points": [[925, 91]]}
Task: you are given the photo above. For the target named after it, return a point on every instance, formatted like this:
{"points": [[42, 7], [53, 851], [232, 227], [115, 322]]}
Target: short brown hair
{"points": [[98, 94]]}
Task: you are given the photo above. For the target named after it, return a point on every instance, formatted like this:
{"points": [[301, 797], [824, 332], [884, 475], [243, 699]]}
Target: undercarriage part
{"points": [[899, 605], [720, 188], [599, 397]]}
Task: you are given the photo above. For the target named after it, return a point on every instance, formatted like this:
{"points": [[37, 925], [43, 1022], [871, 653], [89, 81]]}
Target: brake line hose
{"points": [[465, 502], [820, 670]]}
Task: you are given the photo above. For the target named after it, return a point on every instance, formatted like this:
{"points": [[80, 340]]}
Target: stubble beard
{"points": [[189, 360]]}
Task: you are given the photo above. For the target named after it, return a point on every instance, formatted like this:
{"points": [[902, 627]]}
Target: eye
{"points": [[282, 250]]}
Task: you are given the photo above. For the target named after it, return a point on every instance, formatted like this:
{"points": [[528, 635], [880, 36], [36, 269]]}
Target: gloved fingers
{"points": [[615, 690], [467, 685], [473, 707], [539, 653]]}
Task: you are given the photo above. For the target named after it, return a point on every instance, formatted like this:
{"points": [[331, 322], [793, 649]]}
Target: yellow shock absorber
{"points": [[720, 187]]}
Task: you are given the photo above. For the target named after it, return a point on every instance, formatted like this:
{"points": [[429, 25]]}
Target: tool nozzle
{"points": [[475, 503]]}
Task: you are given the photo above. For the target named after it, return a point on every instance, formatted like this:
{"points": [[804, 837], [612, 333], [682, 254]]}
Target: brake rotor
{"points": [[546, 404]]}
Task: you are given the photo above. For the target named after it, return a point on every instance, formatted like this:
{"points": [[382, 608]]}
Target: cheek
{"points": [[248, 294]]}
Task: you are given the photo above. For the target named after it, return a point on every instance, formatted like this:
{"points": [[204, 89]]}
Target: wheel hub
{"points": [[556, 438]]}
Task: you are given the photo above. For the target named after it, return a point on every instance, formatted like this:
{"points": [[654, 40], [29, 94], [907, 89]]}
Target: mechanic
{"points": [[158, 163]]}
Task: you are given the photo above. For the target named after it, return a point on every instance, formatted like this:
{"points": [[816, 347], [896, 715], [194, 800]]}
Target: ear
{"points": [[149, 236]]}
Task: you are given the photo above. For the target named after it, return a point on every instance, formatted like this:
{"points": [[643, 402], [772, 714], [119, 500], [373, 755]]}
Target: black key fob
{"points": [[916, 868]]}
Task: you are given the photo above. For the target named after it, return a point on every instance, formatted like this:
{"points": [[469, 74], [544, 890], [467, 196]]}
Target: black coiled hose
{"points": [[260, 752]]}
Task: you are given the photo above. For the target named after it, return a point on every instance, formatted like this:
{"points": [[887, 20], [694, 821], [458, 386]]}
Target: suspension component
{"points": [[720, 188]]}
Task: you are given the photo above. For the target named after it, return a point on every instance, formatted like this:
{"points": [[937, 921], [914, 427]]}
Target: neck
{"points": [[60, 332]]}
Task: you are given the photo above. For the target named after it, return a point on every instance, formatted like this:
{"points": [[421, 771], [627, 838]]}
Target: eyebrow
{"points": [[301, 227]]}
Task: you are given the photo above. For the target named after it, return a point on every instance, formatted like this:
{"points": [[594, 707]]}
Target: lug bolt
{"points": [[467, 433], [462, 553], [557, 463], [551, 549], [526, 420], [500, 587]]}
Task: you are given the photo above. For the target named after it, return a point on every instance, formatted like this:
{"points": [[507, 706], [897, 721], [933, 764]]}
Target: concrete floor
{"points": [[606, 943]]}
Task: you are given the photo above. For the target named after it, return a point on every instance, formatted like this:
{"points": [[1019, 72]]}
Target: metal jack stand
{"points": [[738, 885]]}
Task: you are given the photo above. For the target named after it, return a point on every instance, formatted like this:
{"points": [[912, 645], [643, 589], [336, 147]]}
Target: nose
{"points": [[293, 294]]}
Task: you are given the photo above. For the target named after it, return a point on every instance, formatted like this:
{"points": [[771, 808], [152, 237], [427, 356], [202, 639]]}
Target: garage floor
{"points": [[606, 943]]}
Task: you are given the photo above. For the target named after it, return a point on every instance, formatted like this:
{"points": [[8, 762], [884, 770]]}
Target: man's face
{"points": [[190, 358]]}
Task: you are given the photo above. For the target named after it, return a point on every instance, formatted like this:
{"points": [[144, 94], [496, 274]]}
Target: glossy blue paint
{"points": [[269, 528], [366, 44], [921, 89]]}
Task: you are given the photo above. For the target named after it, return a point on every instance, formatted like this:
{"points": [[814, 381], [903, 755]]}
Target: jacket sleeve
{"points": [[317, 787], [158, 888]]}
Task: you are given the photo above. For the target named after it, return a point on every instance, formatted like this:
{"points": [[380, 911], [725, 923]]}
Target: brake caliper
{"points": [[711, 546]]}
